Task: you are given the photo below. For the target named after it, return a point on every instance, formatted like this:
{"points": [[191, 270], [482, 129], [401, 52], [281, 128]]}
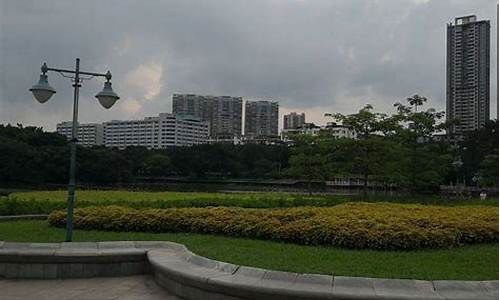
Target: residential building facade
{"points": [[332, 129], [307, 129], [261, 118], [340, 131], [88, 134], [468, 73], [158, 132], [294, 120], [224, 113]]}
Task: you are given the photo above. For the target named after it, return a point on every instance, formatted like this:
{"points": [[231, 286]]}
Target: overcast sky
{"points": [[312, 56]]}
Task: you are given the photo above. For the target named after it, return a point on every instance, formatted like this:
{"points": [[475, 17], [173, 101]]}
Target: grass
{"points": [[47, 201], [479, 262]]}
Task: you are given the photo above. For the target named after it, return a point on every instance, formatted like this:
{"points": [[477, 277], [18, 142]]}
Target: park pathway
{"points": [[115, 288]]}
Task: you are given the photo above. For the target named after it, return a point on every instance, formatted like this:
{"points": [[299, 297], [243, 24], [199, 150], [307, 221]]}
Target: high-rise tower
{"points": [[468, 73], [294, 120], [261, 118], [222, 112]]}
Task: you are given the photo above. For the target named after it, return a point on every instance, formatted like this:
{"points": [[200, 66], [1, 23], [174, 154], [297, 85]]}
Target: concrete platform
{"points": [[119, 288]]}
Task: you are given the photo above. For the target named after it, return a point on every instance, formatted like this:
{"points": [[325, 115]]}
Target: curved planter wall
{"points": [[194, 277]]}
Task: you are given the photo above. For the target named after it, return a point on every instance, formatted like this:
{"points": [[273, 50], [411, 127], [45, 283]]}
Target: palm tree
{"points": [[416, 101]]}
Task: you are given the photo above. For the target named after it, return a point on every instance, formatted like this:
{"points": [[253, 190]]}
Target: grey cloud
{"points": [[307, 54]]}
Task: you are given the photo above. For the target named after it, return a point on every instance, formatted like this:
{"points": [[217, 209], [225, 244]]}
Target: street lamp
{"points": [[42, 92]]}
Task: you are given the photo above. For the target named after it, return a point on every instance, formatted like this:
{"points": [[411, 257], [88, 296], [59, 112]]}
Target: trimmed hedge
{"points": [[351, 225], [44, 202]]}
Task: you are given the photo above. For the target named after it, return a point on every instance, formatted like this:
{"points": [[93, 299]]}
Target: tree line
{"points": [[29, 155], [401, 150], [397, 150]]}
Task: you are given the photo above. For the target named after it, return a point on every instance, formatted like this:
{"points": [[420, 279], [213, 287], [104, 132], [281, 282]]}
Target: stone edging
{"points": [[195, 277]]}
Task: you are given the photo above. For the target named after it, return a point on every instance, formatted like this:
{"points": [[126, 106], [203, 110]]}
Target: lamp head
{"points": [[107, 97], [42, 91]]}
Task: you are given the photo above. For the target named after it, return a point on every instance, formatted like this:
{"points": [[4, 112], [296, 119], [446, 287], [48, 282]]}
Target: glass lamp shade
{"points": [[107, 97], [42, 91]]}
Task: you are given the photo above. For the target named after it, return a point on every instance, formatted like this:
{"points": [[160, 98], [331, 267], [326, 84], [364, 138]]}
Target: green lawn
{"points": [[47, 201], [478, 262]]}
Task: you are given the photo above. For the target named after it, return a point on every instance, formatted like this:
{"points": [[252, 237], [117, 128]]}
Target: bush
{"points": [[351, 225], [44, 202]]}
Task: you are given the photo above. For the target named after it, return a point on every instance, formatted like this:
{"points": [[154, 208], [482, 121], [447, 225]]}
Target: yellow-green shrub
{"points": [[350, 225]]}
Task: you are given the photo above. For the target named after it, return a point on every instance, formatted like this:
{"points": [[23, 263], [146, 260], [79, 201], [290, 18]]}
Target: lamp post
{"points": [[42, 92]]}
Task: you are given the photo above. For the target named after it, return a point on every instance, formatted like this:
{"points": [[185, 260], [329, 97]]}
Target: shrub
{"points": [[351, 225], [43, 202], [47, 201]]}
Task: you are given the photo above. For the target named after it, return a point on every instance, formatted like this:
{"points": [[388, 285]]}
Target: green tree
{"points": [[425, 164], [135, 156], [28, 155], [416, 101], [373, 159], [101, 165], [307, 162], [476, 146], [365, 122], [157, 165], [367, 156], [488, 171]]}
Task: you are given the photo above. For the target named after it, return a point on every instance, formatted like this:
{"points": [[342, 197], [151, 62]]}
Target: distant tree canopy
{"points": [[479, 151], [396, 150], [399, 150], [28, 155]]}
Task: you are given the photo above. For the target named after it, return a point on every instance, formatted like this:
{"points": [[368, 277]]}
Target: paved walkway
{"points": [[113, 288]]}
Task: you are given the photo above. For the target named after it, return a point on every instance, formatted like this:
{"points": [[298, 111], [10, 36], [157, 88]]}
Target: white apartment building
{"points": [[340, 131], [309, 129], [337, 131], [89, 134], [156, 132]]}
